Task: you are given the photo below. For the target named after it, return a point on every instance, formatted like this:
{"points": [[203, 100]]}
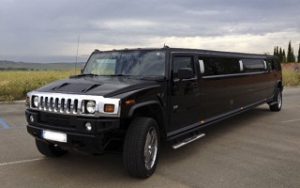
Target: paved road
{"points": [[256, 149]]}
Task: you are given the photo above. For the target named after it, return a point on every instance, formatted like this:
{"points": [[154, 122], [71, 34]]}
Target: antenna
{"points": [[78, 41], [166, 46]]}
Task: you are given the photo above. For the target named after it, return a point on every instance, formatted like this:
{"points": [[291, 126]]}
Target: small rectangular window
{"points": [[254, 65], [180, 62]]}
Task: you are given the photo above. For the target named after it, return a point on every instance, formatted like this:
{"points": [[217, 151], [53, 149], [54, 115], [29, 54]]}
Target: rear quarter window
{"points": [[254, 65]]}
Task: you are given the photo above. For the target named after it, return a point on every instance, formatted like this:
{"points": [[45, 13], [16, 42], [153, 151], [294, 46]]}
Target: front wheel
{"points": [[141, 147], [277, 102]]}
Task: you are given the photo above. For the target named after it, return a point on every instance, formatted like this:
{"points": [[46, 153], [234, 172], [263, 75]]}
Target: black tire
{"points": [[276, 104], [138, 161], [48, 149]]}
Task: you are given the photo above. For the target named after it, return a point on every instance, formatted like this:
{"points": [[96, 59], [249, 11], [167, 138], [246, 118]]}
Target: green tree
{"points": [[275, 53], [298, 55], [290, 53], [280, 55], [283, 57]]}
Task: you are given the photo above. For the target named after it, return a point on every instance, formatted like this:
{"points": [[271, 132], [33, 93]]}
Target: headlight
{"points": [[91, 107], [35, 100]]}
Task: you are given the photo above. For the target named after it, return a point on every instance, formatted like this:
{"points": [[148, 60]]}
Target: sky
{"points": [[48, 31]]}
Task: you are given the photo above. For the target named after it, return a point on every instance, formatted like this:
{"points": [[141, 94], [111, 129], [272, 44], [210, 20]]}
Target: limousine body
{"points": [[132, 100]]}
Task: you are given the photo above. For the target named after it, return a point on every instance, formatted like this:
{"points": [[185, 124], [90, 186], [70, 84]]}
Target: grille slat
{"points": [[72, 106], [56, 105], [41, 104], [50, 104], [62, 105], [66, 105], [44, 103], [75, 106], [79, 106]]}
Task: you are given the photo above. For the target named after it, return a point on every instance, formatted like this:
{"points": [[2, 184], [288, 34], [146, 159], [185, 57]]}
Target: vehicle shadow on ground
{"points": [[108, 168]]}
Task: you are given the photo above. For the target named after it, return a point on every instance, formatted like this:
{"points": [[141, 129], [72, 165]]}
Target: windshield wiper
{"points": [[117, 75], [83, 75], [150, 78]]}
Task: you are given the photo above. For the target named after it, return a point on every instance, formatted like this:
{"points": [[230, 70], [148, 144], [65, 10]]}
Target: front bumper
{"points": [[104, 130]]}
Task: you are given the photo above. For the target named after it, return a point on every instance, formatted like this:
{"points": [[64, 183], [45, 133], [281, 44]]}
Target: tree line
{"points": [[21, 69], [286, 56]]}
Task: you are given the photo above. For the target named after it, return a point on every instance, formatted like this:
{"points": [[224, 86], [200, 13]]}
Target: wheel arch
{"points": [[279, 85], [151, 109]]}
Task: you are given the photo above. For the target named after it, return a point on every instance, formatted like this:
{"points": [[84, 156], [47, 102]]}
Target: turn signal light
{"points": [[130, 102], [110, 108]]}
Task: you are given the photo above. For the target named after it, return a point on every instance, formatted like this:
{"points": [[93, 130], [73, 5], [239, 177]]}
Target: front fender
{"points": [[135, 107]]}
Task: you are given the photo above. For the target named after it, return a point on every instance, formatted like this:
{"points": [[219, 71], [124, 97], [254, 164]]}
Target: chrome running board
{"points": [[188, 140]]}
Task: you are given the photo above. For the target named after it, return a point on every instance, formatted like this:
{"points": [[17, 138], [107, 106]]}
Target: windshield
{"points": [[131, 63]]}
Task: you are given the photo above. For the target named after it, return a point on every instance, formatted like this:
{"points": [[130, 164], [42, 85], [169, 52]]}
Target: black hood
{"points": [[99, 85]]}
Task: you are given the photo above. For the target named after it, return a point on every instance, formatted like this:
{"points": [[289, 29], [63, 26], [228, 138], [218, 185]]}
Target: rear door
{"points": [[184, 94], [259, 80], [220, 85]]}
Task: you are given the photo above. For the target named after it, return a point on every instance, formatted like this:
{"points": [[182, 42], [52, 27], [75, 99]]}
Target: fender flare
{"points": [[279, 84], [143, 104]]}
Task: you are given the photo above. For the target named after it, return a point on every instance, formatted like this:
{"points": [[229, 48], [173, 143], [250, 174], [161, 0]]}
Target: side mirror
{"points": [[185, 73], [81, 71]]}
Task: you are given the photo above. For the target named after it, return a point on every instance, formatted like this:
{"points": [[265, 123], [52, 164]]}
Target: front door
{"points": [[184, 95]]}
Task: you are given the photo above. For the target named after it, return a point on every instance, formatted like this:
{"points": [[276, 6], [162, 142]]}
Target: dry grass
{"points": [[15, 84], [291, 74]]}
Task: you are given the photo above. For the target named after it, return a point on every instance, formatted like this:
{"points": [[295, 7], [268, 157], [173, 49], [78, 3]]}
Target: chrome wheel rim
{"points": [[150, 148], [279, 100]]}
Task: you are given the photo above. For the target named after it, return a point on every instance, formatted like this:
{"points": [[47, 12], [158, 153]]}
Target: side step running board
{"points": [[187, 141]]}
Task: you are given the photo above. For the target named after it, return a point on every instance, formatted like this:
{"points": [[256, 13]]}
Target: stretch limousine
{"points": [[132, 100]]}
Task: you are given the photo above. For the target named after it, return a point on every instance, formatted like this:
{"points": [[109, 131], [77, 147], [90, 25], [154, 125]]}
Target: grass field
{"points": [[291, 74], [15, 84]]}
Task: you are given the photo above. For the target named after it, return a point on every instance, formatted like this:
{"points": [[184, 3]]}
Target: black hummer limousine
{"points": [[133, 100]]}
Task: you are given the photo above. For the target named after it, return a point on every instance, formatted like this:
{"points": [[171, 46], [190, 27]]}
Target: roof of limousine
{"points": [[197, 51]]}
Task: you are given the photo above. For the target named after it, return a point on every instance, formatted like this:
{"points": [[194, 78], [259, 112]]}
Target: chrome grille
{"points": [[72, 104], [60, 105]]}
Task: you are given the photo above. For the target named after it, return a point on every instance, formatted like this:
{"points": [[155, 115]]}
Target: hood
{"points": [[102, 86]]}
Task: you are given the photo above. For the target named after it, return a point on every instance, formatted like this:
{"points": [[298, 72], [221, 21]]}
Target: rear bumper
{"points": [[103, 132]]}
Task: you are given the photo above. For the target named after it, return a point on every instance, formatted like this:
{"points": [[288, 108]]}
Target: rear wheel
{"points": [[48, 149], [141, 147], [276, 105]]}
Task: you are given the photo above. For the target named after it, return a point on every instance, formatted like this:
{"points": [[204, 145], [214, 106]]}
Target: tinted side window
{"points": [[180, 62], [219, 66], [253, 65]]}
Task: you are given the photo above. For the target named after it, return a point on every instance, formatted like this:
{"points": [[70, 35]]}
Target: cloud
{"points": [[47, 30]]}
